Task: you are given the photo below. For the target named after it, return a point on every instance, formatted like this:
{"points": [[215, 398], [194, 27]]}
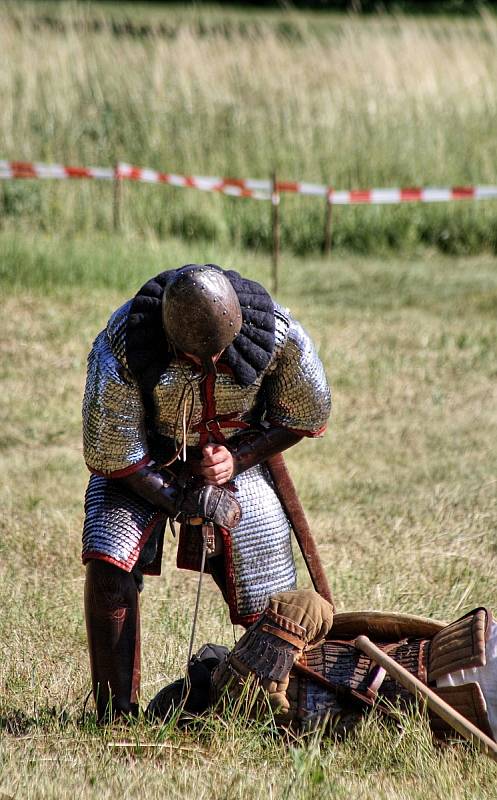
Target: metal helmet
{"points": [[201, 312]]}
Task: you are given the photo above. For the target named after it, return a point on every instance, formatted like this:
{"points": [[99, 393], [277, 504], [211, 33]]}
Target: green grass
{"points": [[384, 100], [400, 494]]}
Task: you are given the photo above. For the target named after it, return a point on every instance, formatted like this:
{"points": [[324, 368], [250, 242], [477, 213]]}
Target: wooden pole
{"points": [[328, 213], [117, 199], [456, 720], [275, 206]]}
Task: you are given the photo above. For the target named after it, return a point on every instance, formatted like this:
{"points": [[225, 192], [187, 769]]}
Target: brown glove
{"points": [[213, 504], [210, 503], [266, 653]]}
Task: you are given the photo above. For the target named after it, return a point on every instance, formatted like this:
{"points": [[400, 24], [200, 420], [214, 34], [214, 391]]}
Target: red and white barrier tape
{"points": [[23, 169], [258, 190], [255, 189]]}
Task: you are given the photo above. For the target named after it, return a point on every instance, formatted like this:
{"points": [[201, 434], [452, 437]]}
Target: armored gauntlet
{"points": [[265, 654], [211, 503]]}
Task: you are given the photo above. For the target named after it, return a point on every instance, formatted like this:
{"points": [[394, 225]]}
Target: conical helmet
{"points": [[201, 312]]}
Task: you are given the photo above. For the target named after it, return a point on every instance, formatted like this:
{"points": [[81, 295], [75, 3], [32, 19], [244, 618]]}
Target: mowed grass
{"points": [[351, 101], [400, 494]]}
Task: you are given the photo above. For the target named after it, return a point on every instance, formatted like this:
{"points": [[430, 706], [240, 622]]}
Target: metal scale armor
{"points": [[130, 418]]}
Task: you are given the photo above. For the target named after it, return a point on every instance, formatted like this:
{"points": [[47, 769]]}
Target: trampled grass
{"points": [[400, 494], [355, 102]]}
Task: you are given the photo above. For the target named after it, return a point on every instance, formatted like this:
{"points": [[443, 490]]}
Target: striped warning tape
{"points": [[24, 169], [253, 188]]}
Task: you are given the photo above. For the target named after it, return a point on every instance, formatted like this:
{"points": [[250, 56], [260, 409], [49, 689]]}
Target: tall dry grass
{"points": [[400, 494], [356, 102]]}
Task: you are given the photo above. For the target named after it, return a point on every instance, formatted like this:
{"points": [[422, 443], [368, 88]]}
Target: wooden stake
{"points": [[117, 199], [275, 204], [327, 224]]}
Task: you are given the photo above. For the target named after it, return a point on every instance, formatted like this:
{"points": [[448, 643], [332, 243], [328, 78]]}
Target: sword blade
{"points": [[197, 601]]}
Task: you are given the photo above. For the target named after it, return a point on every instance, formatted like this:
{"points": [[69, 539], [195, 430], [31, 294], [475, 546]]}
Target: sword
{"points": [[292, 506], [208, 542]]}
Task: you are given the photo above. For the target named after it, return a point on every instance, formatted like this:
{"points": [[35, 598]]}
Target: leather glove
{"points": [[267, 651], [214, 504], [210, 503]]}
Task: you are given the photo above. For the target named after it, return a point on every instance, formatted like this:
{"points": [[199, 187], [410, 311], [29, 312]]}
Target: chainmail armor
{"points": [[296, 389], [292, 390], [116, 331], [261, 543], [125, 420], [117, 522], [114, 436]]}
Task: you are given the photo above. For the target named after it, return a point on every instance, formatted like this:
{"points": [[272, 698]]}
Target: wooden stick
{"points": [[327, 224], [275, 205], [456, 720], [117, 198]]}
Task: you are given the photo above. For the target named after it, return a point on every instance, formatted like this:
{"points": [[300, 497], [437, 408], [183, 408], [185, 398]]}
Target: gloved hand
{"points": [[267, 651], [214, 504], [208, 503]]}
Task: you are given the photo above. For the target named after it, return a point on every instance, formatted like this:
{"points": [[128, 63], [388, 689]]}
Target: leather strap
{"points": [[287, 637]]}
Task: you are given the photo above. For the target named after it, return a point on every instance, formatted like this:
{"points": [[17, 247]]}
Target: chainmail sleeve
{"points": [[295, 386], [114, 436]]}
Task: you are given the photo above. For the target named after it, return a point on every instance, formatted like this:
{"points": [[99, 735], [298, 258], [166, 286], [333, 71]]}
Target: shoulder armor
{"points": [[114, 434], [282, 322], [116, 332], [296, 389]]}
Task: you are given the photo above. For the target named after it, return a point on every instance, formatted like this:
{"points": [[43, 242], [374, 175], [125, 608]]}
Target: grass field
{"points": [[400, 493], [355, 102]]}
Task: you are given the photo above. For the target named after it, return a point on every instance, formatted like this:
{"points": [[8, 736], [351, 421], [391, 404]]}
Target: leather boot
{"points": [[113, 630]]}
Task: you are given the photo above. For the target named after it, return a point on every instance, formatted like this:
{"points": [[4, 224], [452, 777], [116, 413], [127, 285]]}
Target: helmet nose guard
{"points": [[201, 312]]}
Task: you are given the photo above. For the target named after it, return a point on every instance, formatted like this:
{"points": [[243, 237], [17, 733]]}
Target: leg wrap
{"points": [[113, 629]]}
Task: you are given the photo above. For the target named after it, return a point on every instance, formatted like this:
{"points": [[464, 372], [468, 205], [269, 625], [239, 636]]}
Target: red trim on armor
{"points": [[95, 555], [128, 565], [247, 621], [121, 473], [298, 432], [209, 427]]}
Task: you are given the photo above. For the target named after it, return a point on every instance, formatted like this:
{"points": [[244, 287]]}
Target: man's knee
{"points": [[108, 586]]}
